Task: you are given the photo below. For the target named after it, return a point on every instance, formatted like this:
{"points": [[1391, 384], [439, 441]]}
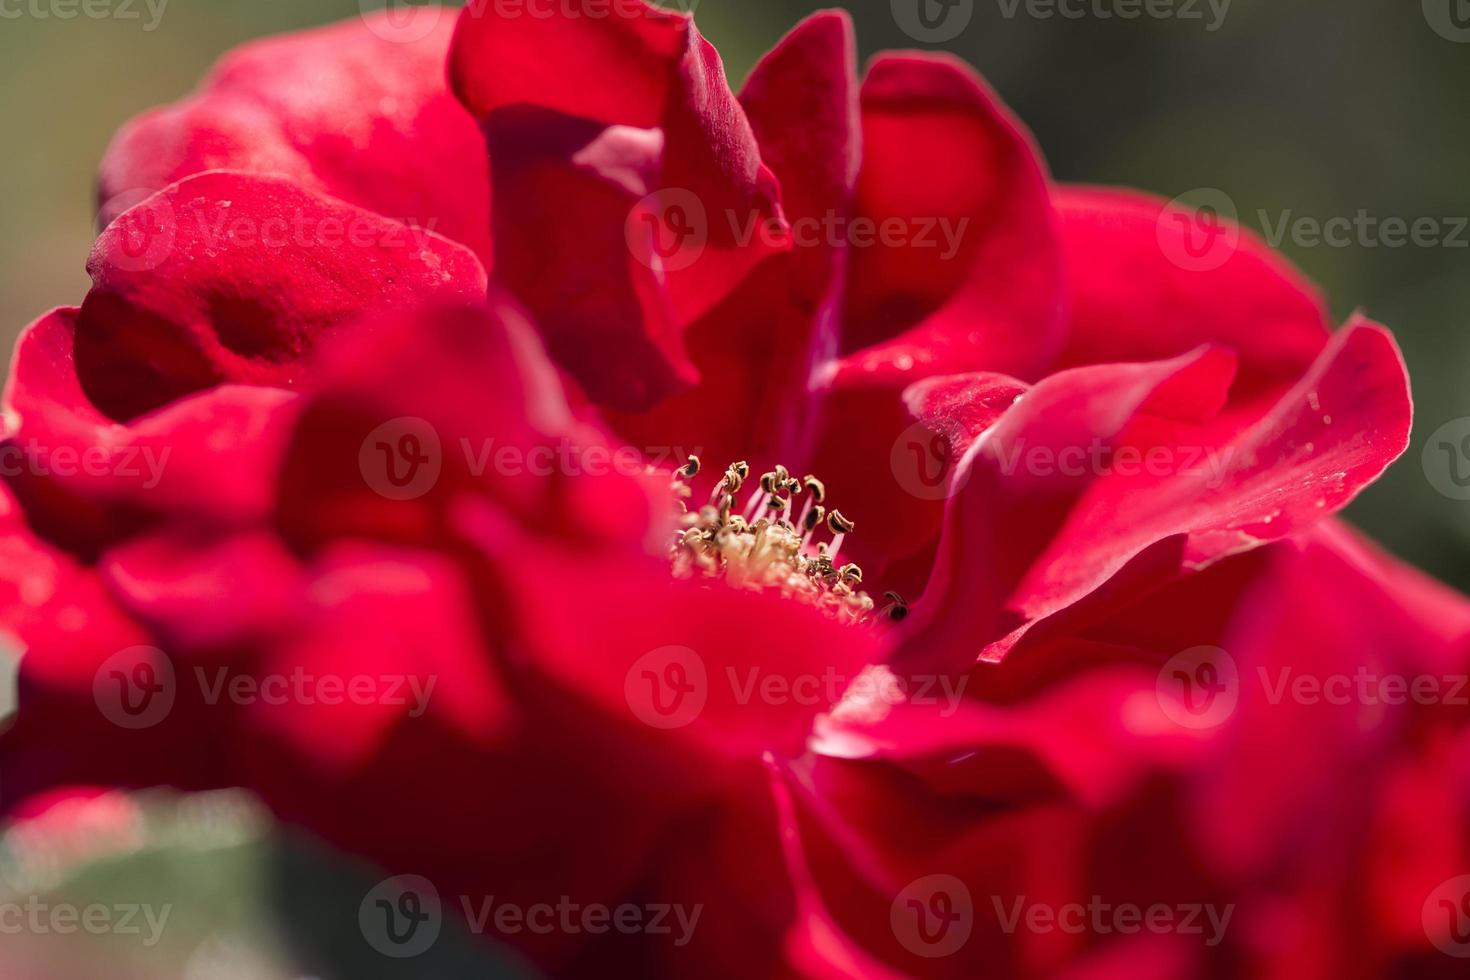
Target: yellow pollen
{"points": [[761, 547]]}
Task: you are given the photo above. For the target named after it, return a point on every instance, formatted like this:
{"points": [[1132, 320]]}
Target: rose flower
{"points": [[789, 506]]}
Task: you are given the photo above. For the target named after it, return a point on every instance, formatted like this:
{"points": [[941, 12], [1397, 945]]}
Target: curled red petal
{"points": [[359, 110], [230, 277]]}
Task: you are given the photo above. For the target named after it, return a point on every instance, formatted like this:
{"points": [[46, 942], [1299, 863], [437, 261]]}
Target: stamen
{"points": [[762, 549]]}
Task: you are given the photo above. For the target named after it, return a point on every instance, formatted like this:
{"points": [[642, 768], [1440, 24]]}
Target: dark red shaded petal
{"points": [[402, 625], [944, 415], [1051, 534], [614, 134], [425, 406], [638, 66], [1297, 774], [218, 593], [986, 295], [1322, 826], [73, 641], [1133, 294], [358, 110], [939, 152], [755, 352], [85, 478], [227, 277], [642, 642], [567, 226]]}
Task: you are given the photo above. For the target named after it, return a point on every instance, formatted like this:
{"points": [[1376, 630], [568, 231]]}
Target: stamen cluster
{"points": [[763, 548]]}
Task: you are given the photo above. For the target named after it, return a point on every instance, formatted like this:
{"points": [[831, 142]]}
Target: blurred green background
{"points": [[1317, 107]]}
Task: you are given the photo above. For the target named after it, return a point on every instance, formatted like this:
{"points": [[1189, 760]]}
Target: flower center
{"points": [[763, 547]]}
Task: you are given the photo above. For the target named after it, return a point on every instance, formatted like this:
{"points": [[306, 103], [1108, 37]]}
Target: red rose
{"points": [[379, 384]]}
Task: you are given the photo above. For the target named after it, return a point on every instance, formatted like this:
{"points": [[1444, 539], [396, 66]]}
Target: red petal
{"points": [[755, 351], [233, 277], [1025, 541], [610, 135], [405, 420], [939, 152], [358, 110], [980, 290], [85, 478], [1132, 294]]}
